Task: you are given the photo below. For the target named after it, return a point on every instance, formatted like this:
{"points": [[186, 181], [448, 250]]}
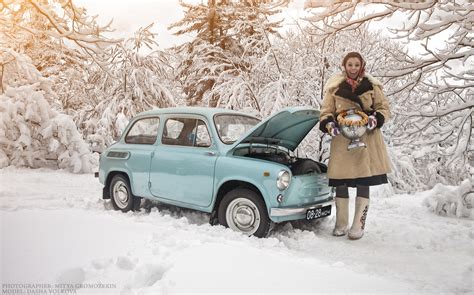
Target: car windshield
{"points": [[231, 127]]}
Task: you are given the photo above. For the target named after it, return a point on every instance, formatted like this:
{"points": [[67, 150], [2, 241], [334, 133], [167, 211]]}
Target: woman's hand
{"points": [[332, 129], [372, 122]]}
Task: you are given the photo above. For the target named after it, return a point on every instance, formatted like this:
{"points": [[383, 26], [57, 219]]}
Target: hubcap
{"points": [[121, 195], [242, 215]]}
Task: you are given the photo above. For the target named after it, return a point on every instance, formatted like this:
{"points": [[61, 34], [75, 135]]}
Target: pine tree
{"points": [[225, 30]]}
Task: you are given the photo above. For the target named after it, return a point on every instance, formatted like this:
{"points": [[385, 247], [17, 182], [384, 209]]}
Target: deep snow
{"points": [[55, 228]]}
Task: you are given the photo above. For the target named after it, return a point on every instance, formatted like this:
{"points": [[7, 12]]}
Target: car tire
{"points": [[121, 194], [305, 166], [243, 210]]}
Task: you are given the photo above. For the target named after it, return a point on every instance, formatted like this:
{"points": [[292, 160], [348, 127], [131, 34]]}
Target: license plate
{"points": [[318, 212]]}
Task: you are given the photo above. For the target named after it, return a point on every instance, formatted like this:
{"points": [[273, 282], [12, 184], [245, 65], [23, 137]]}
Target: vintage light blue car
{"points": [[227, 163]]}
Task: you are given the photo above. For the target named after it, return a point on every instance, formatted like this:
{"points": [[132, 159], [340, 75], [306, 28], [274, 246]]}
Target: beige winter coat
{"points": [[359, 162]]}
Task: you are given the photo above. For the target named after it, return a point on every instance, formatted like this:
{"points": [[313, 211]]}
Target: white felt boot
{"points": [[342, 217], [360, 214]]}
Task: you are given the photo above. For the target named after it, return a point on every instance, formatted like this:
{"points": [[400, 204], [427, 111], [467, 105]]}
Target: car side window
{"points": [[203, 139], [143, 131], [186, 132], [173, 128]]}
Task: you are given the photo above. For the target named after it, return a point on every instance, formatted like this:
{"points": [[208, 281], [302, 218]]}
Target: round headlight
{"points": [[283, 180]]}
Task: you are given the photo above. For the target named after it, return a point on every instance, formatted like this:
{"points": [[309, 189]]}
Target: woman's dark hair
{"points": [[353, 54]]}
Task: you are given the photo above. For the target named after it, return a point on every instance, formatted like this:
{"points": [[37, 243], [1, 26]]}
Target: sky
{"points": [[129, 16]]}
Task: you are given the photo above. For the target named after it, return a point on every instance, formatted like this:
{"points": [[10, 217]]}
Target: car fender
{"points": [[123, 171], [259, 173]]}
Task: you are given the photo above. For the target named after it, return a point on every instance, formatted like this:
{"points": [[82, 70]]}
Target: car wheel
{"points": [[243, 210], [121, 194]]}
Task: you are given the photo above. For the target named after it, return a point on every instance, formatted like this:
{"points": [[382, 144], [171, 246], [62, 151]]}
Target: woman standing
{"points": [[360, 167]]}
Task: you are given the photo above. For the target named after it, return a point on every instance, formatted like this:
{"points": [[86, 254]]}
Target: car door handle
{"points": [[210, 154]]}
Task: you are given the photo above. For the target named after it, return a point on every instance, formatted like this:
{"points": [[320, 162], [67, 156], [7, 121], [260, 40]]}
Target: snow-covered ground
{"points": [[56, 230]]}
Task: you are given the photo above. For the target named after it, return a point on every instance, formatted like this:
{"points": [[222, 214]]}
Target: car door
{"points": [[140, 144], [182, 167]]}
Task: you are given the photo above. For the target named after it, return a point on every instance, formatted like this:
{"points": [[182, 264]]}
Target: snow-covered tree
{"points": [[132, 83], [101, 82], [435, 105], [218, 50], [46, 49], [32, 133]]}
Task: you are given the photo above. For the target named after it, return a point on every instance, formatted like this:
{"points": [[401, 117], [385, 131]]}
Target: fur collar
{"points": [[344, 89], [337, 79]]}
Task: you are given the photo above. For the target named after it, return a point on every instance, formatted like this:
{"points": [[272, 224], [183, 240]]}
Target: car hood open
{"points": [[286, 128]]}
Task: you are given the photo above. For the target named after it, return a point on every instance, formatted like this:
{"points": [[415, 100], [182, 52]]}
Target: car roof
{"points": [[191, 110]]}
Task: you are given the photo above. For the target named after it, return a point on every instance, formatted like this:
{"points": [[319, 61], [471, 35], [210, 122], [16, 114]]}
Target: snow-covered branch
{"points": [[431, 85], [60, 20], [443, 112]]}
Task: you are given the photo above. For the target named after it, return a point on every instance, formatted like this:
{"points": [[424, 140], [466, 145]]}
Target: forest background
{"points": [[67, 88]]}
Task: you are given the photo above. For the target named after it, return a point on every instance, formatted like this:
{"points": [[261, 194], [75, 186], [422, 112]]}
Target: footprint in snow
{"points": [[147, 275], [101, 263], [125, 263]]}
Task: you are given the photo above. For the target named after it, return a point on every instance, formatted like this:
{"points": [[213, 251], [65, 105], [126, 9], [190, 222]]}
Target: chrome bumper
{"points": [[278, 212]]}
